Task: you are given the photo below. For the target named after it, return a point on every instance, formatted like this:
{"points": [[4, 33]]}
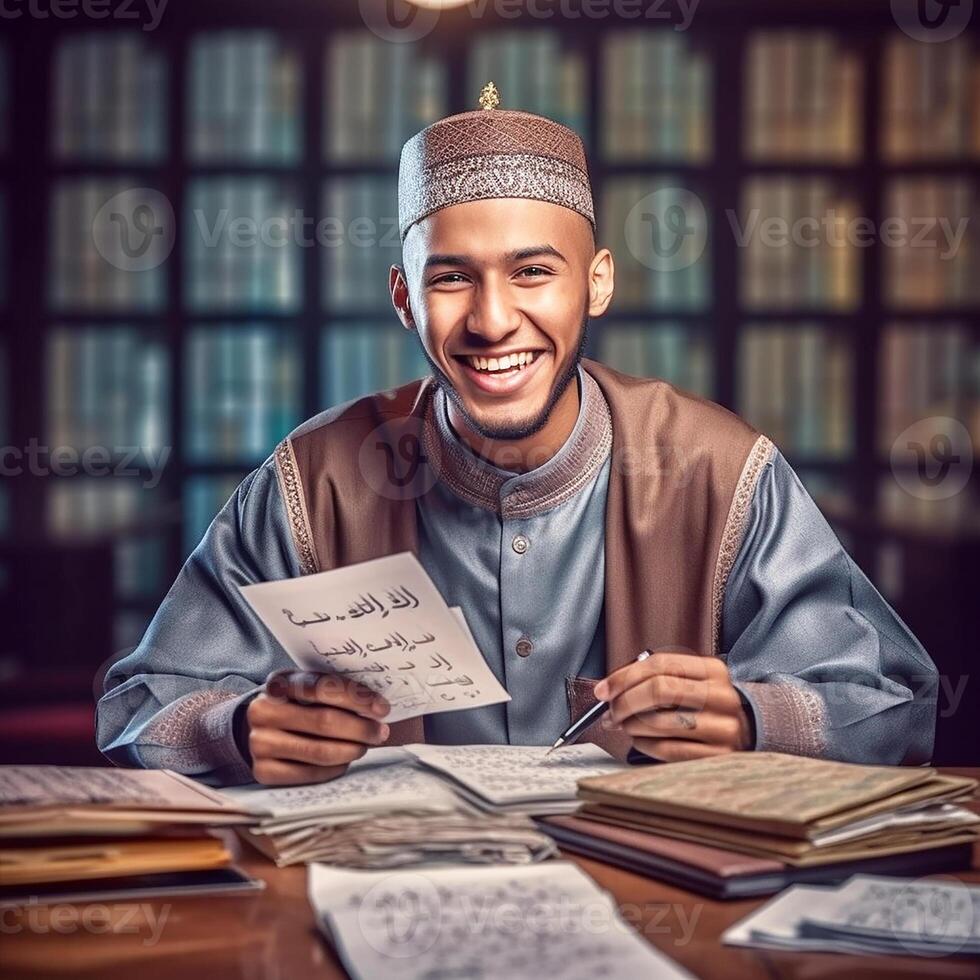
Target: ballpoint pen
{"points": [[576, 729]]}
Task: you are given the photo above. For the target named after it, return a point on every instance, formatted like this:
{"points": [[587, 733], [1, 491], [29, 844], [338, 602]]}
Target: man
{"points": [[577, 515]]}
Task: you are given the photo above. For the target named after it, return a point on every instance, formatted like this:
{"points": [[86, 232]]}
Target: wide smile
{"points": [[492, 375]]}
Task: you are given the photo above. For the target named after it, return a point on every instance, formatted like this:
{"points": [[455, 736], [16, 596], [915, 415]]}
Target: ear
{"points": [[398, 287], [602, 282]]}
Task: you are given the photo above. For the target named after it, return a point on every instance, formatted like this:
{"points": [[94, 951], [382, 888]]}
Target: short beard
{"points": [[515, 431]]}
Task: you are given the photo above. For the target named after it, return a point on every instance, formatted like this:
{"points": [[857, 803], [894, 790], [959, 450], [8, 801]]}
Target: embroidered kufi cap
{"points": [[492, 153]]}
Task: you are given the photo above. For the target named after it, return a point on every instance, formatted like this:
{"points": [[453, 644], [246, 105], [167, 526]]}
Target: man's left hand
{"points": [[676, 705]]}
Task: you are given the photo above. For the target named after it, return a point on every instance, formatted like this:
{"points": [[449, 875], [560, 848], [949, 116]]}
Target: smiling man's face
{"points": [[500, 292]]}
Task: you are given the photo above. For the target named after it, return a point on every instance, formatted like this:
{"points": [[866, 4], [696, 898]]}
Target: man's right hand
{"points": [[307, 727]]}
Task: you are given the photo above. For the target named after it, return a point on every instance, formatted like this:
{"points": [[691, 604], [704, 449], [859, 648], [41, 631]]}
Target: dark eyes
{"points": [[528, 272]]}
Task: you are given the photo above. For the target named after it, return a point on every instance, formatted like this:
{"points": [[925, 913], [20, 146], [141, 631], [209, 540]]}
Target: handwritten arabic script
{"points": [[384, 624]]}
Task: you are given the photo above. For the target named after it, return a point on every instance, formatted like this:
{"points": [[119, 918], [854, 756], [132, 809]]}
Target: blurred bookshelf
{"points": [[214, 354]]}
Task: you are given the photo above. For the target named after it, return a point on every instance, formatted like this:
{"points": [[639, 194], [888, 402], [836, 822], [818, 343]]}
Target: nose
{"points": [[493, 316]]}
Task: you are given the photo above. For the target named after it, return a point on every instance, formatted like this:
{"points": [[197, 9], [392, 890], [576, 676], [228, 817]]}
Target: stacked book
{"points": [[111, 831], [754, 822], [422, 804]]}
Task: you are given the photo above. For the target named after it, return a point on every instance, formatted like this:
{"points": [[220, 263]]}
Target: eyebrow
{"points": [[518, 255]]}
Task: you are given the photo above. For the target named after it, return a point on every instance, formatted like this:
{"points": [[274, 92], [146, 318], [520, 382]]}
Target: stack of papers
{"points": [[516, 778], [868, 914], [45, 801], [109, 827], [801, 811], [524, 923], [386, 811]]}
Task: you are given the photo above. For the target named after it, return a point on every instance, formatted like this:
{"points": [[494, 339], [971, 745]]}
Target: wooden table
{"points": [[271, 935]]}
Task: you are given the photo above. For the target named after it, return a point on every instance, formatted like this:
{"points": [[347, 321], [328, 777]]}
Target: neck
{"points": [[522, 455]]}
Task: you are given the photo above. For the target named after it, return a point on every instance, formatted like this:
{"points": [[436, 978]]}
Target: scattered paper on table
{"points": [[517, 777], [524, 923], [868, 914]]}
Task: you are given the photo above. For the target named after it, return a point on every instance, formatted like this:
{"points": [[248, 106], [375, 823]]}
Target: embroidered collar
{"points": [[518, 495]]}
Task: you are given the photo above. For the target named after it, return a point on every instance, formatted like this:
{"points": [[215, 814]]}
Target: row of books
{"points": [[928, 370], [798, 240], [794, 383], [658, 235], [243, 391], [244, 98], [931, 514], [938, 265], [671, 351], [80, 277], [931, 99], [85, 506], [802, 97], [803, 93], [656, 97], [534, 70], [361, 358], [110, 98], [109, 387], [243, 244], [795, 242], [376, 95], [363, 243]]}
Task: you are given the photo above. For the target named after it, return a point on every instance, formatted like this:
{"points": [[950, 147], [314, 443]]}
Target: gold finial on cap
{"points": [[489, 96]]}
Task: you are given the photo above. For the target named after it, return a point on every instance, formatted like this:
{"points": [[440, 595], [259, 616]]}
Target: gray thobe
{"points": [[824, 664]]}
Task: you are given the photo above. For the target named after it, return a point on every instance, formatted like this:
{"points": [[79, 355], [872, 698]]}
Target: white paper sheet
{"points": [[384, 624], [906, 911], [361, 790], [867, 914], [81, 786], [524, 923], [517, 774]]}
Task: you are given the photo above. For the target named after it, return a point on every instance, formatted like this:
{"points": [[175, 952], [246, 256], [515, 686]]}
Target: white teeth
{"points": [[506, 363]]}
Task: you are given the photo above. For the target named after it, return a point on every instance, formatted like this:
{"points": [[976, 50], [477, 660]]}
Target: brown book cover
{"points": [[766, 792], [725, 874]]}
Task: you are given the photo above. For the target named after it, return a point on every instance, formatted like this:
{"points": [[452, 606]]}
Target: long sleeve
{"points": [[171, 703], [827, 666]]}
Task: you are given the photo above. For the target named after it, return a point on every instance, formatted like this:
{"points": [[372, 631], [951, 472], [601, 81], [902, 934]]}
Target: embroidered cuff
{"points": [[788, 718], [195, 735]]}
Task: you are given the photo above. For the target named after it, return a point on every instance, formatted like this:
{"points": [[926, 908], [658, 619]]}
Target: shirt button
{"points": [[524, 647], [520, 544]]}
